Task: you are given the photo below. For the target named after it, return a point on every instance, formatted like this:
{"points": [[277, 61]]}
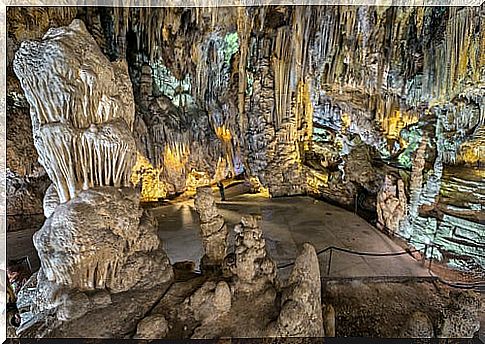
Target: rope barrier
{"points": [[474, 285], [387, 254]]}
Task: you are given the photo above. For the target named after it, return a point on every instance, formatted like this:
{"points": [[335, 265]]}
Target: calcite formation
{"points": [[152, 327], [210, 301], [391, 204], [212, 226], [82, 132], [95, 237], [418, 326], [294, 100], [301, 306], [253, 270], [376, 108]]}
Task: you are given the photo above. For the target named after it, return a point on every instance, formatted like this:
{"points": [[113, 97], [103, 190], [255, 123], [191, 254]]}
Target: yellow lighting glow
{"points": [[152, 187], [317, 180], [223, 133], [196, 179], [346, 121], [304, 110], [472, 153], [394, 122], [175, 158]]}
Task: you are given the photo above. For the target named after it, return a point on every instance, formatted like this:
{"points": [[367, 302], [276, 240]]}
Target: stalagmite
{"points": [[301, 306], [253, 270], [213, 228], [391, 204]]}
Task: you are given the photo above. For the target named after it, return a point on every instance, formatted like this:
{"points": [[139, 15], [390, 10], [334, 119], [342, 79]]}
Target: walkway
{"points": [[288, 223]]}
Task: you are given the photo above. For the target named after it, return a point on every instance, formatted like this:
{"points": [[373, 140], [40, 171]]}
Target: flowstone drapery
{"points": [[96, 237], [82, 110]]}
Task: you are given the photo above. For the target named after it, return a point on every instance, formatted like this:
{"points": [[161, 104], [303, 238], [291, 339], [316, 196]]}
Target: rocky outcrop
{"points": [[418, 326], [402, 309], [460, 317], [391, 204], [212, 226], [214, 306], [152, 327]]}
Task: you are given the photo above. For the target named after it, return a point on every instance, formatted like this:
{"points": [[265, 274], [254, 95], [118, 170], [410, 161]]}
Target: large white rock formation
{"points": [[96, 237]]}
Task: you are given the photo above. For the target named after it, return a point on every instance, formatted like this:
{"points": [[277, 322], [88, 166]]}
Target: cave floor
{"points": [[287, 223]]}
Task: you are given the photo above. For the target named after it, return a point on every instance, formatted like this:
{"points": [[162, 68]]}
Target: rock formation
{"points": [[301, 306], [358, 105], [212, 226], [418, 326], [391, 204], [152, 327], [217, 306], [95, 237], [253, 270]]}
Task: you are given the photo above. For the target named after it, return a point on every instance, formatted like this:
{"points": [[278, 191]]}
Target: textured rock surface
{"points": [[418, 326], [82, 133], [460, 318], [391, 204], [388, 309], [95, 240], [210, 306], [152, 327], [301, 309], [292, 99], [325, 99], [253, 270], [213, 228]]}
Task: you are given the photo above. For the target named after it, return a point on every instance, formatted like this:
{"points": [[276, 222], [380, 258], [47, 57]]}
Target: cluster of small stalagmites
{"points": [[213, 227], [252, 269], [391, 204], [81, 110], [301, 307], [249, 274]]}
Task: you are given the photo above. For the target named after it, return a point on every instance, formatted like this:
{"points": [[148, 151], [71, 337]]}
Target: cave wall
{"points": [[331, 100]]}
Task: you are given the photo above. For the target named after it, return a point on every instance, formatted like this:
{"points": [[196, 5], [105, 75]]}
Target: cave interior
{"points": [[267, 171]]}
